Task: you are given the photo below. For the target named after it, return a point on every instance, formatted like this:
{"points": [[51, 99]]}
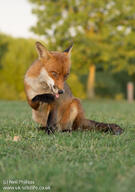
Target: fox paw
{"points": [[49, 130]]}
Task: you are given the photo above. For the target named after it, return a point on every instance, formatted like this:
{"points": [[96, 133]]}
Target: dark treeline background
{"points": [[103, 55]]}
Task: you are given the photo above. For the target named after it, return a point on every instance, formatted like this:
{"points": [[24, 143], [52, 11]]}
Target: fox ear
{"points": [[42, 51], [68, 50]]}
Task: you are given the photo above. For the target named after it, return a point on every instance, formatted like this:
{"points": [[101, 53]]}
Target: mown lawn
{"points": [[78, 161]]}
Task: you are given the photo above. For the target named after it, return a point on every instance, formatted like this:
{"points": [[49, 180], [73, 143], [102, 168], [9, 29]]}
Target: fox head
{"points": [[55, 67]]}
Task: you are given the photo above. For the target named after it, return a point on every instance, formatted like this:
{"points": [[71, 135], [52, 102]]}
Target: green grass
{"points": [[78, 161]]}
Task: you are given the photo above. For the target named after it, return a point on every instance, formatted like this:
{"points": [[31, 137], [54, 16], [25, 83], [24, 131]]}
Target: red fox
{"points": [[53, 105]]}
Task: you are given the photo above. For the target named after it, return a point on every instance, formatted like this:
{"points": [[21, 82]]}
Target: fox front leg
{"points": [[47, 98], [51, 123]]}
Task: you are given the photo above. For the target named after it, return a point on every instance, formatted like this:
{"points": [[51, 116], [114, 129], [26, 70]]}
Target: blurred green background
{"points": [[103, 56]]}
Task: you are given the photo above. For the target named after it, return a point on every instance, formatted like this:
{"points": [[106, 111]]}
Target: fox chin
{"points": [[53, 105]]}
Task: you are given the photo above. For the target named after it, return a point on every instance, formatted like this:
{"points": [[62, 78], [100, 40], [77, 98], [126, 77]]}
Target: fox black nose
{"points": [[60, 91]]}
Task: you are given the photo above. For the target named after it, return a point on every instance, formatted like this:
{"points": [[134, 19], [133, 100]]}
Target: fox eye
{"points": [[54, 74], [66, 76]]}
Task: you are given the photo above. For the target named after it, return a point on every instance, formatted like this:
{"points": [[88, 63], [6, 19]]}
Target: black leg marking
{"points": [[50, 127], [47, 98]]}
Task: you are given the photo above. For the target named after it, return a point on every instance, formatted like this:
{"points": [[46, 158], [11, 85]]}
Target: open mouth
{"points": [[57, 92], [57, 95]]}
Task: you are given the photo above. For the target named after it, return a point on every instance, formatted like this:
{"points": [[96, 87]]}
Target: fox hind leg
{"points": [[67, 115]]}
